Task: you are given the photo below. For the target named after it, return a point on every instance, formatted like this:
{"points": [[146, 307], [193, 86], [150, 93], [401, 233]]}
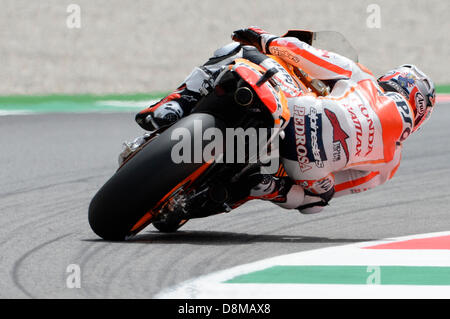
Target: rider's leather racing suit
{"points": [[343, 143]]}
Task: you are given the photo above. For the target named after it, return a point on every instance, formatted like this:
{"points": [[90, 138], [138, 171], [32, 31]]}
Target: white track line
{"points": [[212, 286]]}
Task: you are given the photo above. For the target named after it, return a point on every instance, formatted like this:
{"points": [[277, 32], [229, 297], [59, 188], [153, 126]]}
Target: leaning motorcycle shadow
{"points": [[231, 238]]}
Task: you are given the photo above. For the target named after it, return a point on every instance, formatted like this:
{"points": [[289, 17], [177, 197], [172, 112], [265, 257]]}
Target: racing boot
{"points": [[283, 192], [168, 110], [268, 187]]}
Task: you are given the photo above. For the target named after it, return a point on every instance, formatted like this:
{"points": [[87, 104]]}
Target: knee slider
{"points": [[314, 203]]}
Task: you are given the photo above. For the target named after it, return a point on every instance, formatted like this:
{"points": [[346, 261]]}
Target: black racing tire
{"points": [[143, 181]]}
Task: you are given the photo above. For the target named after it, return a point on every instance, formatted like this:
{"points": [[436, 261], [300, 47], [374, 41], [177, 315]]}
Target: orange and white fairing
{"points": [[271, 95]]}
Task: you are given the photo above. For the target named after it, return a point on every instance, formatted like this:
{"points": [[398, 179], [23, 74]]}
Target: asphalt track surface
{"points": [[52, 164]]}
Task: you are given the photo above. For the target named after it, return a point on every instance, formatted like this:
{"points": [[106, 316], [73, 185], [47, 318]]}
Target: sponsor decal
{"points": [[324, 53], [369, 120], [404, 111], [406, 132], [406, 81], [358, 190], [337, 148], [358, 129], [282, 52], [420, 103], [316, 143], [432, 97], [339, 136], [305, 184], [308, 132], [283, 79], [325, 184], [320, 186], [300, 138]]}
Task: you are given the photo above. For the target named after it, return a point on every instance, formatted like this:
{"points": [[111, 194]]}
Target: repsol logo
{"points": [[403, 109]]}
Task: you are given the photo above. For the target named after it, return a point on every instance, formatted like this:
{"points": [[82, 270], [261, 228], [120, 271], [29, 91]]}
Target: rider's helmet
{"points": [[415, 86]]}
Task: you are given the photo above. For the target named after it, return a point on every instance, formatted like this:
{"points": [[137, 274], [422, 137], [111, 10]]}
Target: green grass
{"points": [[347, 275], [78, 98], [82, 103], [92, 98], [441, 89], [57, 103]]}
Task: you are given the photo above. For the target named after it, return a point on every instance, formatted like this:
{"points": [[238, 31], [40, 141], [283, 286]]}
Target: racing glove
{"points": [[254, 36]]}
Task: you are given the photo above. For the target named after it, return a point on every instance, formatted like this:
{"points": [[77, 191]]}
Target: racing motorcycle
{"points": [[149, 187]]}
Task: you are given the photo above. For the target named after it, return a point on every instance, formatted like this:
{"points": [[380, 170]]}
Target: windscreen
{"points": [[335, 42]]}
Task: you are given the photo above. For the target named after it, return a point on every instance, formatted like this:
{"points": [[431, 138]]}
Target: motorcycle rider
{"points": [[346, 142]]}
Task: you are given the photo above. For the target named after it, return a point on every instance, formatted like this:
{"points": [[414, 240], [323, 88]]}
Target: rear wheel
{"points": [[123, 206]]}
